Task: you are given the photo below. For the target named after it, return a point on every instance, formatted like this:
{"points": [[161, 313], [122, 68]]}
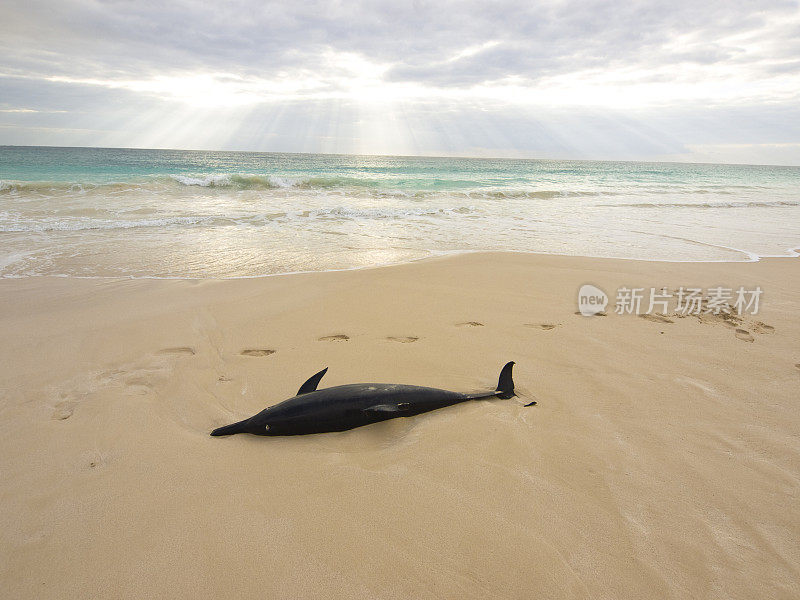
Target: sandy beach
{"points": [[662, 459]]}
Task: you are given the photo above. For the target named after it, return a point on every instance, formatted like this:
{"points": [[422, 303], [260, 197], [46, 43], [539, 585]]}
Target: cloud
{"points": [[451, 77], [417, 41]]}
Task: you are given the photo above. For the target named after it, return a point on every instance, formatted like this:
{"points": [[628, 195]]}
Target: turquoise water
{"points": [[173, 213]]}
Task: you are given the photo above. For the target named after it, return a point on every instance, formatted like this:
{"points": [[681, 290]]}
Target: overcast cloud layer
{"points": [[709, 81]]}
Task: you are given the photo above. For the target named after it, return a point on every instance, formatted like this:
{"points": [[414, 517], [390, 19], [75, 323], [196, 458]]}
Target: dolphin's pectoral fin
{"points": [[388, 408], [530, 404], [312, 383]]}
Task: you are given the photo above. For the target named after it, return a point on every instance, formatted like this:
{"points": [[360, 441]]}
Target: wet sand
{"points": [[662, 459]]}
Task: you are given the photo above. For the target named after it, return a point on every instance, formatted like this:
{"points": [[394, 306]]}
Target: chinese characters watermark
{"points": [[682, 301]]}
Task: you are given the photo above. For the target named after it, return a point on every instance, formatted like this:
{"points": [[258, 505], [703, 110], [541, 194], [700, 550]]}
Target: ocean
{"points": [[110, 212]]}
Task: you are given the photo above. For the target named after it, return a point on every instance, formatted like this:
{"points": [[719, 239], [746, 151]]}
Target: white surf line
{"points": [[751, 256]]}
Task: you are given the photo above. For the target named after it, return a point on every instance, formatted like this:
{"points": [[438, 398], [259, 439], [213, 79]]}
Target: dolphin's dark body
{"points": [[347, 406]]}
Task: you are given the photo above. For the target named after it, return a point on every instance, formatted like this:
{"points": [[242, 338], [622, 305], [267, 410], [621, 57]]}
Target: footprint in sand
{"points": [[656, 318], [727, 319], [760, 327], [109, 376], [744, 335], [63, 410], [177, 350], [403, 339], [256, 352], [339, 337], [543, 326], [140, 384], [141, 379], [797, 366], [469, 324], [224, 379]]}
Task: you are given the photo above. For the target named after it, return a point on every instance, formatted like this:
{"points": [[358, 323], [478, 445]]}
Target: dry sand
{"points": [[663, 459]]}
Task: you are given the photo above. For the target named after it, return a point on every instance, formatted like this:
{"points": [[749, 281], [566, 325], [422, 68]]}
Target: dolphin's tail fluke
{"points": [[230, 429], [505, 386]]}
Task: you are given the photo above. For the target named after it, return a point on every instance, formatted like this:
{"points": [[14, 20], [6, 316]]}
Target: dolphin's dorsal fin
{"points": [[312, 383], [505, 386], [388, 408]]}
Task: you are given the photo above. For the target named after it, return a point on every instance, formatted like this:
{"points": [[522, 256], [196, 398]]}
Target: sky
{"points": [[700, 81]]}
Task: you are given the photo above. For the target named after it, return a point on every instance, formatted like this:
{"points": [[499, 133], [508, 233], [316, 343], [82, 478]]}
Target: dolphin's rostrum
{"points": [[347, 406]]}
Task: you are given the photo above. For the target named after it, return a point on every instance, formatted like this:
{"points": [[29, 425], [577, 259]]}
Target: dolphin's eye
{"points": [[266, 427]]}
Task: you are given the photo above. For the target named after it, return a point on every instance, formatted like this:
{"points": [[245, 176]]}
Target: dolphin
{"points": [[345, 407]]}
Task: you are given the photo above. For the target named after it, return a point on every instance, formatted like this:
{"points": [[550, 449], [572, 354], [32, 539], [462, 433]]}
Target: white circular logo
{"points": [[591, 300]]}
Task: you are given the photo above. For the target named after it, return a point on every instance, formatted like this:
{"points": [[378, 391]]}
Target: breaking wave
{"points": [[416, 186], [244, 182]]}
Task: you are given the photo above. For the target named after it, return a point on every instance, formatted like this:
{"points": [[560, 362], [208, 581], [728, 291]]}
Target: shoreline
{"points": [[792, 252], [662, 454]]}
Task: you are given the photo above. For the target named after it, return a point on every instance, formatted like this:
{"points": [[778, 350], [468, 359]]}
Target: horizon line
{"points": [[440, 156]]}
